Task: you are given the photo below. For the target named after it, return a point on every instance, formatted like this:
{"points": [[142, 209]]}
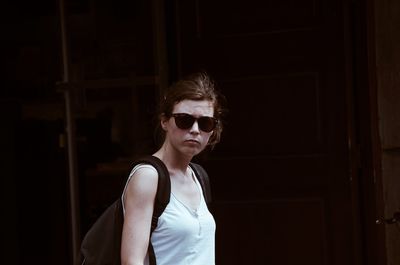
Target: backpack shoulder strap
{"points": [[162, 195], [204, 180]]}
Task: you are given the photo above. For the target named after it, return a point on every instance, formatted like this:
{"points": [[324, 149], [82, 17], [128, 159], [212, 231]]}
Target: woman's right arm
{"points": [[139, 203]]}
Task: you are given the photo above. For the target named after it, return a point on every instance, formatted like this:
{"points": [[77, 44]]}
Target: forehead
{"points": [[195, 107]]}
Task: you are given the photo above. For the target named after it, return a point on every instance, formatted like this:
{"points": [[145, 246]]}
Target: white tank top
{"points": [[183, 236]]}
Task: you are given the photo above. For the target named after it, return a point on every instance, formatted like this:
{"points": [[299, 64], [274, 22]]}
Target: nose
{"points": [[195, 128]]}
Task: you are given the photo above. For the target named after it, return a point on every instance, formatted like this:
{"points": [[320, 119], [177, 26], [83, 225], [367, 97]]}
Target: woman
{"points": [[189, 115]]}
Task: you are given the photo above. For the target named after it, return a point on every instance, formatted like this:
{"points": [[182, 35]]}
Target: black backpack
{"points": [[102, 243]]}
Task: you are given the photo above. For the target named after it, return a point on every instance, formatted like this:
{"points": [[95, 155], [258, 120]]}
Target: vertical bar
{"points": [[160, 54], [70, 130]]}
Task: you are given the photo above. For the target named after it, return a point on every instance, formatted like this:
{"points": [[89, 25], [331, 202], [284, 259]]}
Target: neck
{"points": [[174, 160]]}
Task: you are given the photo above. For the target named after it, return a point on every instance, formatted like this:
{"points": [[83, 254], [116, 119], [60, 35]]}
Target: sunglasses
{"points": [[185, 121]]}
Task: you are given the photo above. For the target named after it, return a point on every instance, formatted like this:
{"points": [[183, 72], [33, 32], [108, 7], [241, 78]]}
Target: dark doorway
{"points": [[282, 178]]}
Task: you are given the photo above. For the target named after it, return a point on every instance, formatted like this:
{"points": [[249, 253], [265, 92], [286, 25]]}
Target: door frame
{"points": [[369, 198]]}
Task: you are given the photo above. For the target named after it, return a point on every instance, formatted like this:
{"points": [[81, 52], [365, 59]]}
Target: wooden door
{"points": [[387, 122], [281, 176]]}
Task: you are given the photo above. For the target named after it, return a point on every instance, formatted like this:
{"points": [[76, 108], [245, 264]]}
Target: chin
{"points": [[192, 151]]}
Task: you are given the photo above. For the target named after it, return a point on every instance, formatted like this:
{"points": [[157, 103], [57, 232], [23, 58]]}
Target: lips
{"points": [[192, 141]]}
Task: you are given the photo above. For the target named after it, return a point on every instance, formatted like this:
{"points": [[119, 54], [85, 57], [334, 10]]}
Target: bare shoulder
{"points": [[143, 183]]}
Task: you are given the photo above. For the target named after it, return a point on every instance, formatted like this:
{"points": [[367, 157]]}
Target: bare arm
{"points": [[139, 203]]}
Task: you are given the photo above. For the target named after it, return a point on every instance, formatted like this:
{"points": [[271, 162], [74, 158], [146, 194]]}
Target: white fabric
{"points": [[183, 236]]}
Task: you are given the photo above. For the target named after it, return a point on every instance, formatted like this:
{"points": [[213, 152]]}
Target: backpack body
{"points": [[102, 243]]}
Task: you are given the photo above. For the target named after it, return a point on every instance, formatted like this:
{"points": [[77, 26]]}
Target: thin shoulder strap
{"points": [[204, 180]]}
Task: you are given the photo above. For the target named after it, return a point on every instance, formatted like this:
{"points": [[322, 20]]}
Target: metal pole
{"points": [[70, 130]]}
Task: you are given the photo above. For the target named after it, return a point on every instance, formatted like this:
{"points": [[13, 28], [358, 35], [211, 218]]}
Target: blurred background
{"points": [[308, 168]]}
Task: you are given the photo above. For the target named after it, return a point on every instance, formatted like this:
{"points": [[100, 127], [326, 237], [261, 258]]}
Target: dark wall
{"points": [[34, 189], [8, 165], [108, 41]]}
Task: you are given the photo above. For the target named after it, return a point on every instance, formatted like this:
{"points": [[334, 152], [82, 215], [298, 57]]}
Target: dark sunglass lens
{"points": [[184, 121], [207, 124]]}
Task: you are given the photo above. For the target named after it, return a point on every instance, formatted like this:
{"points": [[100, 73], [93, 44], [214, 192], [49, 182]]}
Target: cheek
{"points": [[174, 133], [207, 138]]}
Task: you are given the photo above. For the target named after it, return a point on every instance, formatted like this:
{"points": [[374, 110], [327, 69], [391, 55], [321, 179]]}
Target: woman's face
{"points": [[193, 140]]}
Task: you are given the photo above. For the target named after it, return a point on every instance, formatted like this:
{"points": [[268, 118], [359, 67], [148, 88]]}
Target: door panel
{"points": [[266, 237], [288, 131], [280, 176]]}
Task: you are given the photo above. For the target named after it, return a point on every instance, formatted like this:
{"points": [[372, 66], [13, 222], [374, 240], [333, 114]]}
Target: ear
{"points": [[163, 122]]}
